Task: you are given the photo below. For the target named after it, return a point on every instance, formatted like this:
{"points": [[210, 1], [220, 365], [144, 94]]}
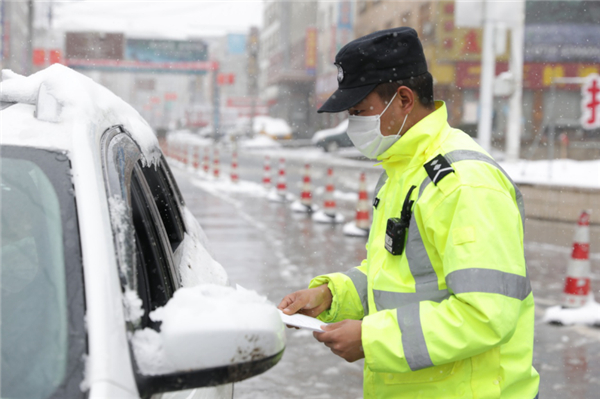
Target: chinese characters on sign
{"points": [[590, 102], [311, 51]]}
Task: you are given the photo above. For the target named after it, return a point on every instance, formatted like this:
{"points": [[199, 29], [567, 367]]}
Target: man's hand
{"points": [[344, 339], [311, 302]]}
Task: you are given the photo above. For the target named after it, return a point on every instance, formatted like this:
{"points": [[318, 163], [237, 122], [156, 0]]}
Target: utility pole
{"points": [[513, 133], [488, 72], [29, 44]]}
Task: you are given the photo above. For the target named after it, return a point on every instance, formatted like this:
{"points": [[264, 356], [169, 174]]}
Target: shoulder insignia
{"points": [[438, 168]]}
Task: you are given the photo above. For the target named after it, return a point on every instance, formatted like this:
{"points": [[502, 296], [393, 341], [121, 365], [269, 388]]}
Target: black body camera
{"points": [[395, 232]]}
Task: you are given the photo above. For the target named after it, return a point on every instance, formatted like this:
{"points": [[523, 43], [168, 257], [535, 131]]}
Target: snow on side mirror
{"points": [[209, 335]]}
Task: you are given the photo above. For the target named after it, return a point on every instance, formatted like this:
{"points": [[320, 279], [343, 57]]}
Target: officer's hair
{"points": [[422, 85]]}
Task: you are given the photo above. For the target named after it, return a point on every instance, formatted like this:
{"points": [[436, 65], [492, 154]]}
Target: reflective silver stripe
{"points": [[489, 281], [359, 279], [382, 179], [413, 340], [416, 255], [470, 155], [393, 300]]}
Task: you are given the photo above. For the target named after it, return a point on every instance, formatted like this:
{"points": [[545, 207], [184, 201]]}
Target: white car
{"points": [[108, 288]]}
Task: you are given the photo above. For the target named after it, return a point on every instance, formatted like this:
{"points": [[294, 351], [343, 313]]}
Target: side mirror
{"points": [[209, 335]]}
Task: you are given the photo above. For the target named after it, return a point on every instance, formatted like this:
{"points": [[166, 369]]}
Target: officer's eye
{"points": [[354, 112]]}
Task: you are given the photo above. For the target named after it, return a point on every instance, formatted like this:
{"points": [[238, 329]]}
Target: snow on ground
{"points": [[258, 141], [560, 172], [350, 229], [588, 314], [322, 217]]}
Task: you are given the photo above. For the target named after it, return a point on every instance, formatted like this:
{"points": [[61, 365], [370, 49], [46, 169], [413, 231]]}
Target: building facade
{"points": [[288, 63]]}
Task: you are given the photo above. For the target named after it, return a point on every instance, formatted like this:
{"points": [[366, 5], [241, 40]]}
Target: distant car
{"points": [[333, 139], [275, 128], [108, 287]]}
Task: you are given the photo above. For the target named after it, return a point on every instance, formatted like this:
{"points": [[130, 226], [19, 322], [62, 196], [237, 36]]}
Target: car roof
{"points": [[59, 108]]}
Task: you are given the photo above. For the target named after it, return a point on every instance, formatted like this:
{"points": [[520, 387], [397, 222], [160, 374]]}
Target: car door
{"points": [[149, 227]]}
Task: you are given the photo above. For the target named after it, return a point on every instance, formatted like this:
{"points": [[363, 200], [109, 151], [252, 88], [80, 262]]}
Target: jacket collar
{"points": [[417, 144]]}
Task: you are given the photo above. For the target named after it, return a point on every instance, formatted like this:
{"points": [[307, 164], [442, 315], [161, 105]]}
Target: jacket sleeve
{"points": [[476, 236], [349, 290]]}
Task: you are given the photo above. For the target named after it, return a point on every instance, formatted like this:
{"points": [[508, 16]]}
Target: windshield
{"points": [[41, 292]]}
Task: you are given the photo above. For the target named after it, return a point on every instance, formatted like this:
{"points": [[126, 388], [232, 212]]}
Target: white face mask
{"points": [[365, 133]]}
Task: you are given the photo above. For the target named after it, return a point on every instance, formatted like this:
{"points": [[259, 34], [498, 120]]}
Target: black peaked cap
{"points": [[384, 56]]}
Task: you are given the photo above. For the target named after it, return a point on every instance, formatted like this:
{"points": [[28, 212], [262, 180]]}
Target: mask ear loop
{"points": [[403, 123]]}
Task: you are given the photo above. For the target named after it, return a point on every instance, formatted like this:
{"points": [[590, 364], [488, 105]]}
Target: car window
{"points": [[42, 303], [155, 282], [166, 202]]}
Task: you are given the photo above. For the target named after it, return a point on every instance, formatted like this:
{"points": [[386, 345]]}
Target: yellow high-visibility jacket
{"points": [[453, 315]]}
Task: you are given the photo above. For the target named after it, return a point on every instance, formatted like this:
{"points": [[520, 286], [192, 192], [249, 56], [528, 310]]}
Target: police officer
{"points": [[442, 307]]}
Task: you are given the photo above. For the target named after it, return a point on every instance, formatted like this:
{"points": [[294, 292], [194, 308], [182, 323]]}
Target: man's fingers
{"points": [[294, 305]]}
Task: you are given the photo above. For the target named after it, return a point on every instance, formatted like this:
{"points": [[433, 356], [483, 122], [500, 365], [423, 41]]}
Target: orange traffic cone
{"points": [[577, 282], [281, 184], [216, 163], [306, 196], [267, 173], [362, 224], [234, 165], [186, 153], [305, 204], [329, 214], [329, 204], [206, 162], [196, 157]]}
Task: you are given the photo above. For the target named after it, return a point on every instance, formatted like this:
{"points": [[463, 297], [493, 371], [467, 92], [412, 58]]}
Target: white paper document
{"points": [[302, 321]]}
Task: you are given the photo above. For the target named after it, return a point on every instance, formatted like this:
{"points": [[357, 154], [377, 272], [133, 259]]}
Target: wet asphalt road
{"points": [[264, 246]]}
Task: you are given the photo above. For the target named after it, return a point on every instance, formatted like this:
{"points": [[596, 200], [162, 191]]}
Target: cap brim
{"points": [[344, 99]]}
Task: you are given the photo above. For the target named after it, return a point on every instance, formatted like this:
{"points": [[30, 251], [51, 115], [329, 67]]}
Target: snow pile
{"points": [[259, 141], [588, 314], [560, 172], [196, 264], [149, 352], [186, 137], [82, 100], [321, 134], [133, 306], [299, 207], [209, 326]]}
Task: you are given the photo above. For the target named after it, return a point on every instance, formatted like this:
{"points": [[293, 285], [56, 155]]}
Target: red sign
{"points": [[225, 79], [39, 56], [310, 52], [55, 57], [170, 96], [155, 100], [590, 102]]}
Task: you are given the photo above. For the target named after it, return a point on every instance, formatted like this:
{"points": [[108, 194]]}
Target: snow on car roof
{"points": [[321, 134], [85, 108]]}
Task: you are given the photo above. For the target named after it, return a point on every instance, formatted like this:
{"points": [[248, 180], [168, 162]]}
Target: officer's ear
{"points": [[406, 99]]}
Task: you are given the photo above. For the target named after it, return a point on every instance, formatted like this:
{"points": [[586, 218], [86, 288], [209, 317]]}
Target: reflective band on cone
{"points": [[306, 196], [216, 163], [234, 165], [362, 210], [281, 185], [267, 173], [577, 282], [206, 163], [329, 203]]}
